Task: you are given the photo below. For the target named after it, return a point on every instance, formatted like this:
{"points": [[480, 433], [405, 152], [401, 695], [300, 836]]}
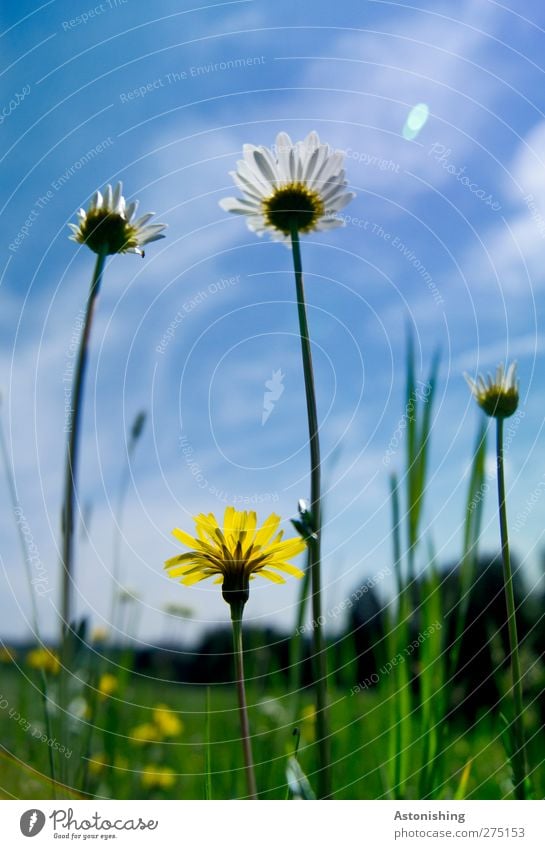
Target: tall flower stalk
{"points": [[73, 428], [233, 554], [498, 396], [314, 541], [290, 190], [107, 227]]}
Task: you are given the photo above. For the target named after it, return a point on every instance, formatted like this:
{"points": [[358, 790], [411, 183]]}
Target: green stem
{"points": [[297, 643], [519, 754], [236, 619], [73, 427], [118, 537], [314, 544]]}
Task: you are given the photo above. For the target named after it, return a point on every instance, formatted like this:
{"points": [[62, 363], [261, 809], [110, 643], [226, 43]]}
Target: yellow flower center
{"points": [[499, 403], [103, 229], [293, 204]]}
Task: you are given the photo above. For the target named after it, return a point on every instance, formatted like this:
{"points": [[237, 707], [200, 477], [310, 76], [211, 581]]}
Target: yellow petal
{"points": [[287, 549], [206, 526], [267, 530], [194, 578], [176, 571], [184, 538], [180, 558], [272, 576], [287, 568]]}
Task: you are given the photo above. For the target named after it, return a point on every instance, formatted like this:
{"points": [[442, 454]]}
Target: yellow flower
{"points": [[155, 777], [235, 553], [498, 396], [107, 685], [147, 732], [168, 722], [6, 655], [97, 763], [42, 658], [108, 225]]}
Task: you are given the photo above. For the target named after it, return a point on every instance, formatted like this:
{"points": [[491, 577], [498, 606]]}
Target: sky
{"points": [[445, 236]]}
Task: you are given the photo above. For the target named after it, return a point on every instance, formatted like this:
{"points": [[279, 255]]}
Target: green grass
{"points": [[361, 729]]}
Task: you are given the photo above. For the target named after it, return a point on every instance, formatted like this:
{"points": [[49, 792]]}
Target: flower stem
{"points": [[73, 427], [314, 544], [518, 755], [236, 619]]}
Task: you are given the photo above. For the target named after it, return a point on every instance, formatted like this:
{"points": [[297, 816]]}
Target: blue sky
{"points": [[459, 260]]}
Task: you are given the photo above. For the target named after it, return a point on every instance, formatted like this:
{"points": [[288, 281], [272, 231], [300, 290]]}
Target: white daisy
{"points": [[299, 186], [108, 225], [498, 396]]}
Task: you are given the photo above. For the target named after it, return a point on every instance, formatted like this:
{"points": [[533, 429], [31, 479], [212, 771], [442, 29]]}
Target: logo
{"points": [[275, 388], [32, 822]]}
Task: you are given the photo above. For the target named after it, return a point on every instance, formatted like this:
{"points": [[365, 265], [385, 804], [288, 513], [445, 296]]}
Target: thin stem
{"points": [[519, 755], [118, 536], [236, 619], [314, 544], [73, 427]]}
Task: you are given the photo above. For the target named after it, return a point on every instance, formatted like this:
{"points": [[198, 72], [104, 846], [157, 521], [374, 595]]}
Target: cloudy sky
{"points": [[446, 236]]}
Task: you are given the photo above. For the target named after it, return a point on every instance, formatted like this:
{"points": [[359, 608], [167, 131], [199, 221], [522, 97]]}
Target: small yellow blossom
{"points": [[107, 685], [154, 777], [147, 732], [97, 763], [168, 722], [42, 658]]}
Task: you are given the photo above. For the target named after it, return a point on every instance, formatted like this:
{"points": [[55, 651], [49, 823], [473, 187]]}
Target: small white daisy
{"points": [[498, 396], [299, 186], [108, 225]]}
